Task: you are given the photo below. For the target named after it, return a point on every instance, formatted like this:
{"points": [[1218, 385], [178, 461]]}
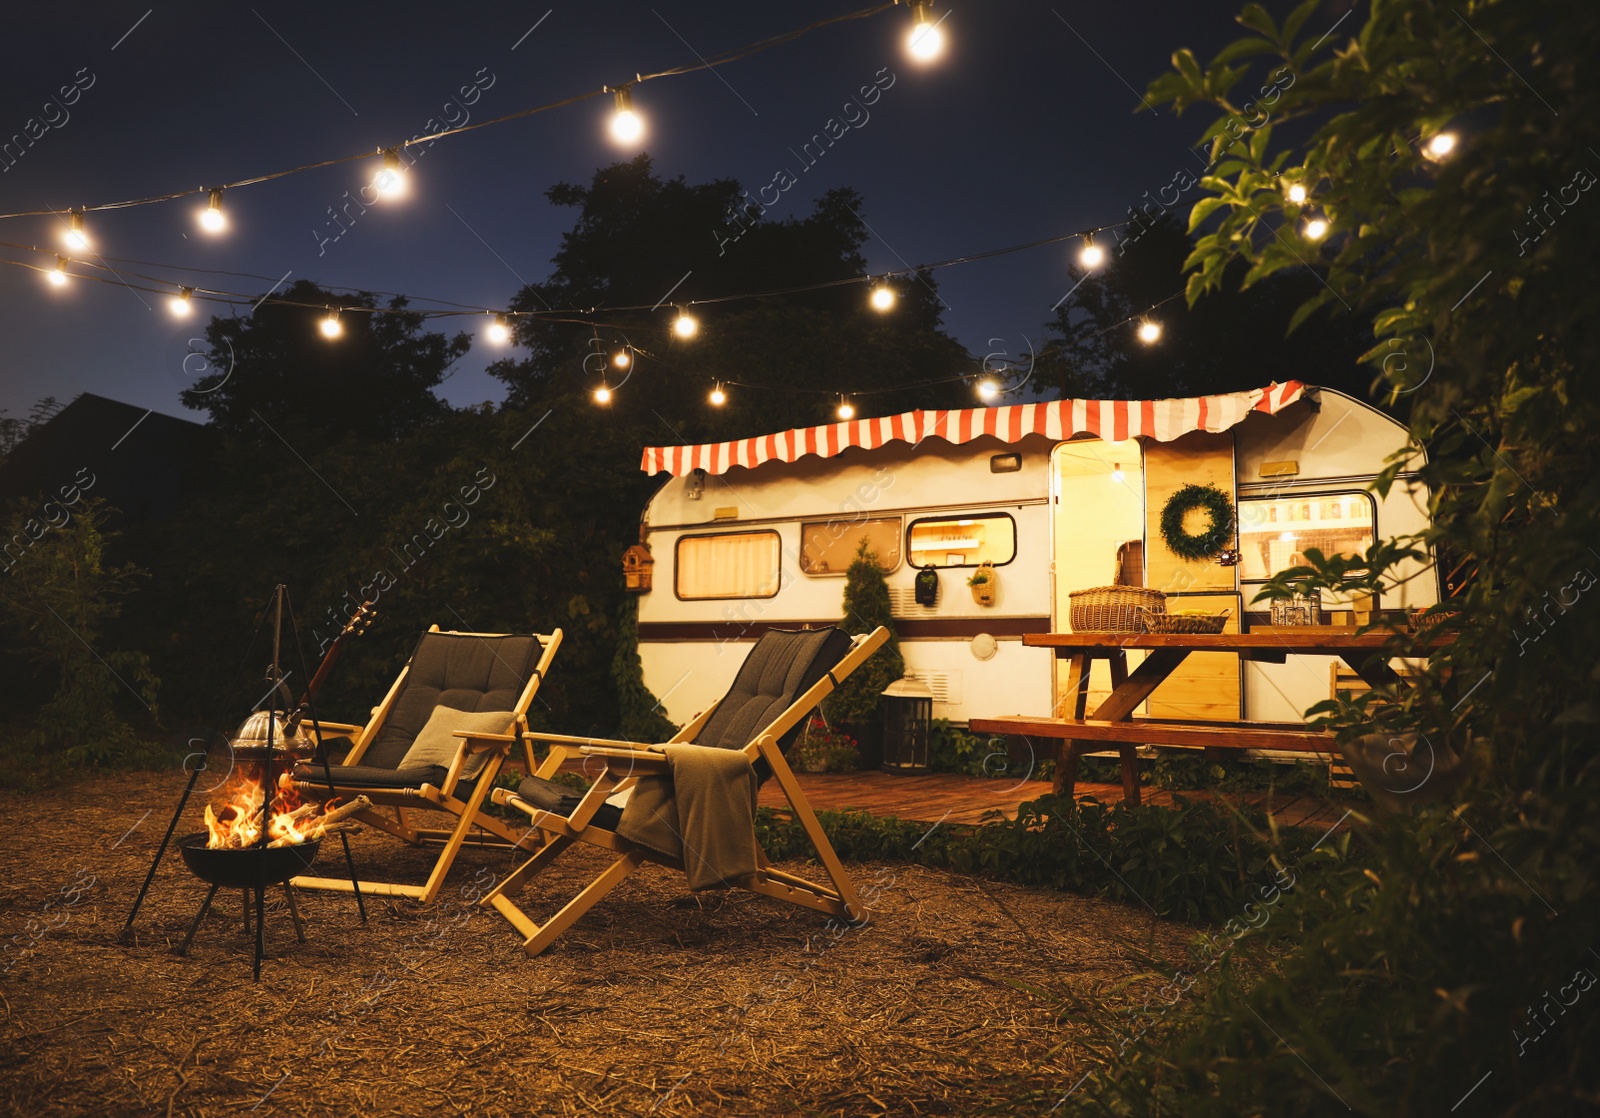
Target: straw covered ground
{"points": [[658, 1002]]}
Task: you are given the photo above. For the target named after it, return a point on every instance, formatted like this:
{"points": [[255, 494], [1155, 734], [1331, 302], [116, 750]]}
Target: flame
{"points": [[236, 822]]}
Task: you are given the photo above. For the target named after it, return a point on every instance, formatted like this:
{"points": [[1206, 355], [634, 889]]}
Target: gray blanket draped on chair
{"points": [[703, 814]]}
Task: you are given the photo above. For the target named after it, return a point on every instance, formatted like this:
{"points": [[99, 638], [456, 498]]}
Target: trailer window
{"points": [[964, 541], [1274, 532], [827, 547], [731, 565]]}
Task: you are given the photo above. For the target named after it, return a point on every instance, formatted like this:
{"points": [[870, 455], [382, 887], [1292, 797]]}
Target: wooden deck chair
{"points": [[437, 742], [785, 675]]}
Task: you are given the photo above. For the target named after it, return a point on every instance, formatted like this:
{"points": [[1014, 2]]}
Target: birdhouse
{"points": [[637, 566]]}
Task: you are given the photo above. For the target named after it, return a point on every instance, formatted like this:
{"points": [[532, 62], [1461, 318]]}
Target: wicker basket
{"points": [[1420, 621], [1112, 609], [1159, 621]]}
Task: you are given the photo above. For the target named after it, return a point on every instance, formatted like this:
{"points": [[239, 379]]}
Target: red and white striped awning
{"points": [[1162, 420]]}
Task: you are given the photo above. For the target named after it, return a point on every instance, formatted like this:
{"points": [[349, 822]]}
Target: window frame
{"points": [[1015, 539], [899, 523], [1371, 503], [677, 566]]}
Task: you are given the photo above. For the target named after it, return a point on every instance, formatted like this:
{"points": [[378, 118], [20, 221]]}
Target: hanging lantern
{"points": [[637, 569]]}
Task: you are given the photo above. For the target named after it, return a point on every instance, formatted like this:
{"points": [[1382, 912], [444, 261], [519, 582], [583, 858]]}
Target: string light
{"points": [[1149, 331], [1296, 193], [988, 390], [499, 331], [211, 218], [846, 409], [1440, 146], [58, 278], [621, 359], [75, 237], [390, 181], [180, 304], [718, 397], [685, 325], [627, 126], [331, 327], [883, 298], [1092, 255], [602, 395], [925, 43], [1315, 229]]}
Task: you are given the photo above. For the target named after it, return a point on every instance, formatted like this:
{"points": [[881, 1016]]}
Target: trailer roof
{"points": [[1162, 420]]}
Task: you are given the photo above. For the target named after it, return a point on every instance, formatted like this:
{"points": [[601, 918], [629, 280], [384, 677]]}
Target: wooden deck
{"points": [[965, 799]]}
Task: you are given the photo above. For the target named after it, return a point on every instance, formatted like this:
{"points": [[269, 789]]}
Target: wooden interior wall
{"points": [[1206, 685]]}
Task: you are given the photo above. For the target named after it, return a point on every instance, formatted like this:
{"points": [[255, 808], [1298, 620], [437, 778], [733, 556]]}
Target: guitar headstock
{"points": [[361, 620]]}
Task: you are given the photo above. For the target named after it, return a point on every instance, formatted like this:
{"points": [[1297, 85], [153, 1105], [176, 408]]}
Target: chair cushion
{"points": [[547, 795], [461, 671], [438, 745], [783, 665], [346, 777]]}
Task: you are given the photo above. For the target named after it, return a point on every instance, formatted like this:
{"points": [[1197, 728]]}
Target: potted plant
{"points": [[853, 708], [984, 582]]}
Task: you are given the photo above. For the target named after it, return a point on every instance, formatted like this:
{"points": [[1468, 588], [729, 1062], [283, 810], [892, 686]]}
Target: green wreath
{"points": [[1213, 539]]}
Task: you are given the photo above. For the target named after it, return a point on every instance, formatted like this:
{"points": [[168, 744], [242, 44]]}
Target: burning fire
{"points": [[236, 823]]}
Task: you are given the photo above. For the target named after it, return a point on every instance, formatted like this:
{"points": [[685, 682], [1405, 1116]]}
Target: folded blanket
{"points": [[703, 814]]}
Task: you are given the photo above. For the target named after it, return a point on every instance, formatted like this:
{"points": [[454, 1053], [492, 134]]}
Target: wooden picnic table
{"points": [[1367, 655]]}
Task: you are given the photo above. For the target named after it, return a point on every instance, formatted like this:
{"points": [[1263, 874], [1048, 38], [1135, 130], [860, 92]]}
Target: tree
{"points": [[641, 242], [1229, 341], [1449, 148], [866, 606], [275, 368], [59, 599]]}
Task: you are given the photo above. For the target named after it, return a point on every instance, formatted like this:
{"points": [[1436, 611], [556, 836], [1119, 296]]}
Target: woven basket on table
{"points": [[1112, 609], [1159, 621], [1420, 621]]}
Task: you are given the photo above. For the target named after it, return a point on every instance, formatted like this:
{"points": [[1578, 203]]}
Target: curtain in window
{"points": [[737, 565]]}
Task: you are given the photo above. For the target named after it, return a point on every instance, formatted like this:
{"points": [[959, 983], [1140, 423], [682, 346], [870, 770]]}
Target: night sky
{"points": [[1025, 129]]}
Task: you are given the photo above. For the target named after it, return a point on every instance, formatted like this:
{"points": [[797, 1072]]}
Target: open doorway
{"points": [[1099, 526]]}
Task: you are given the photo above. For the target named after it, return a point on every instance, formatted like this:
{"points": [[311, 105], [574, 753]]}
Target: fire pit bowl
{"points": [[247, 868]]}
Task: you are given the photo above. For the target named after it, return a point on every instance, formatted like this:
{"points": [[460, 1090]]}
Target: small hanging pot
{"points": [[927, 587], [984, 583]]}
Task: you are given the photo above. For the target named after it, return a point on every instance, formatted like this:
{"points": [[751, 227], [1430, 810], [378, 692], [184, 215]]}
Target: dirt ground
{"points": [[658, 1002]]}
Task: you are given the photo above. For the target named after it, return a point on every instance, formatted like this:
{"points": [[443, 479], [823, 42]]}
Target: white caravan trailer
{"points": [[757, 533]]}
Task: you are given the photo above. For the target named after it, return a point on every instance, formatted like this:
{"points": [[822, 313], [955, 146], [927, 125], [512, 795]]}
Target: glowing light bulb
{"points": [[58, 278], [1116, 472], [1296, 193], [1092, 255], [621, 359], [846, 410], [883, 298], [926, 41], [211, 218], [1315, 229], [685, 325], [75, 237], [331, 327], [499, 331], [988, 390], [1441, 145], [180, 304], [602, 395], [390, 181], [627, 126], [1149, 331], [718, 397]]}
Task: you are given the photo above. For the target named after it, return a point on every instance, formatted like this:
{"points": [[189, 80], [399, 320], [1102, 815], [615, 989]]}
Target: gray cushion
{"points": [[437, 744], [782, 666], [547, 795], [453, 670], [368, 776]]}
